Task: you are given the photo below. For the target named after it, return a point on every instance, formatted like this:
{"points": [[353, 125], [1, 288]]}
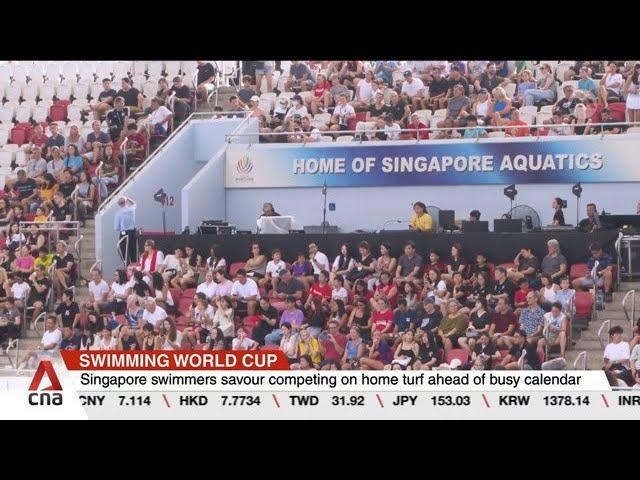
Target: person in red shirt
{"points": [[38, 138], [418, 129], [320, 289], [503, 324], [333, 344], [386, 289], [520, 297], [136, 146], [382, 317], [517, 127], [434, 263], [321, 94]]}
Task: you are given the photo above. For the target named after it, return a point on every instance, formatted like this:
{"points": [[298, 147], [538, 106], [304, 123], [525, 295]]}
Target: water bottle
{"points": [[599, 299]]}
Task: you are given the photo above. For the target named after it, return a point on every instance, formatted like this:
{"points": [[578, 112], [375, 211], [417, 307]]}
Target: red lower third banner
{"points": [[174, 360]]}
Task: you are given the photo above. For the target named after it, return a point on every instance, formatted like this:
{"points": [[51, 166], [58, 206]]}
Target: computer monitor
{"points": [[507, 226], [446, 219], [475, 226]]}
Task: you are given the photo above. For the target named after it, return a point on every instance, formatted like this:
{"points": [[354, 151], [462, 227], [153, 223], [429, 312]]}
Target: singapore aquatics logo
{"points": [[244, 165]]}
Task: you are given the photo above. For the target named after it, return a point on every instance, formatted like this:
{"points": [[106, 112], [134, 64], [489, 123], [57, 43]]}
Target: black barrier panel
{"points": [[499, 247]]}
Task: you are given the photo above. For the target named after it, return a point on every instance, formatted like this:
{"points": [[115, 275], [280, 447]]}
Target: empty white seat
{"points": [[70, 70], [104, 69], [318, 124], [12, 93], [326, 138], [40, 113], [149, 89], [530, 109], [547, 108], [4, 136], [74, 112], [81, 90], [63, 92], [20, 156], [52, 70], [36, 73], [6, 114], [45, 103], [496, 134], [154, 69], [265, 106], [287, 95], [23, 113], [527, 117], [440, 113], [542, 116], [121, 69], [171, 68], [19, 74], [344, 138], [322, 117], [364, 126], [5, 74], [425, 116], [633, 130], [139, 67], [29, 91], [81, 102], [95, 89], [87, 70]]}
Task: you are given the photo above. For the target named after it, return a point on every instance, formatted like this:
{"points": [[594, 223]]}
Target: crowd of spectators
{"points": [[313, 101], [364, 309]]}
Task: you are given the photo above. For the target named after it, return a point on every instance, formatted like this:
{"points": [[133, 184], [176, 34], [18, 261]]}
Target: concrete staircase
{"points": [[224, 93], [588, 340]]}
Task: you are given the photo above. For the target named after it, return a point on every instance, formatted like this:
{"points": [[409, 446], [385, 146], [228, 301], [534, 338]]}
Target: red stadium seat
{"points": [[18, 136], [618, 111], [578, 270], [184, 304], [29, 216], [584, 304], [58, 112], [270, 347], [176, 294], [459, 353], [507, 265], [234, 267], [492, 270]]}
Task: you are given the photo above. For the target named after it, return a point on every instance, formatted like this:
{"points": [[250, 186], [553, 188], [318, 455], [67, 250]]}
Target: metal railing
{"points": [[193, 116], [617, 246], [606, 325], [631, 316], [582, 356], [431, 130]]}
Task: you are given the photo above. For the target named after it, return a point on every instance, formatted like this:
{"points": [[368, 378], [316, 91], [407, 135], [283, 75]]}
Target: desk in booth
{"points": [[499, 247]]}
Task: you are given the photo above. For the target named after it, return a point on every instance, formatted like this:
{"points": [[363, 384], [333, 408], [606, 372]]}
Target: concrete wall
{"points": [[368, 207], [171, 168], [203, 198]]}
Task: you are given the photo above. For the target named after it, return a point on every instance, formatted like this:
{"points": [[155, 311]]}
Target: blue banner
{"points": [[461, 162]]}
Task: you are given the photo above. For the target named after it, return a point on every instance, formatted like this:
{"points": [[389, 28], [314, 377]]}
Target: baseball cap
{"points": [[255, 98], [297, 97], [407, 73]]}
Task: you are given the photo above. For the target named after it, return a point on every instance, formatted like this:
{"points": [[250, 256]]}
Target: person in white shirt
{"points": [[364, 92], [617, 355], [209, 288], [98, 292], [339, 292], [318, 259], [245, 293], [171, 265], [610, 84], [224, 284], [159, 117], [413, 89], [342, 114], [108, 341], [297, 109], [556, 323], [242, 342], [151, 259], [153, 313], [169, 337], [19, 290], [216, 260], [274, 266], [391, 129], [50, 343], [119, 292]]}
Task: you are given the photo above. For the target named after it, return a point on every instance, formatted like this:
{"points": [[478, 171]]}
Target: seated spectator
{"points": [[267, 320], [55, 166], [525, 82], [481, 288], [435, 288], [567, 104], [453, 326], [611, 85], [488, 79], [482, 107], [379, 353], [242, 342], [132, 96], [434, 262], [49, 344], [153, 314], [409, 264], [413, 90], [501, 107], [429, 318], [69, 311], [410, 295], [503, 324], [527, 265], [273, 269], [288, 286], [298, 73], [385, 289], [354, 350], [136, 146], [98, 293], [404, 319], [169, 337], [378, 108], [291, 316], [364, 92], [309, 345], [38, 139], [556, 325], [417, 128], [554, 263], [486, 350], [36, 166], [74, 138], [458, 109], [183, 98], [604, 272], [343, 262], [473, 130], [566, 296], [616, 128], [105, 100], [399, 108], [516, 127], [55, 139], [244, 94], [520, 296], [457, 263], [479, 267], [586, 83], [256, 266], [159, 118], [96, 136], [532, 319], [407, 350], [11, 321], [519, 347], [545, 87], [617, 356], [548, 291], [391, 128]]}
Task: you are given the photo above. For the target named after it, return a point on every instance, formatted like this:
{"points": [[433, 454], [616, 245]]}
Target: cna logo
{"points": [[244, 165], [42, 396]]}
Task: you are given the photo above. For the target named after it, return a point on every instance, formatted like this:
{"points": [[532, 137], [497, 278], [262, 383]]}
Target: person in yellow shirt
{"points": [[421, 220], [40, 217], [44, 258]]}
